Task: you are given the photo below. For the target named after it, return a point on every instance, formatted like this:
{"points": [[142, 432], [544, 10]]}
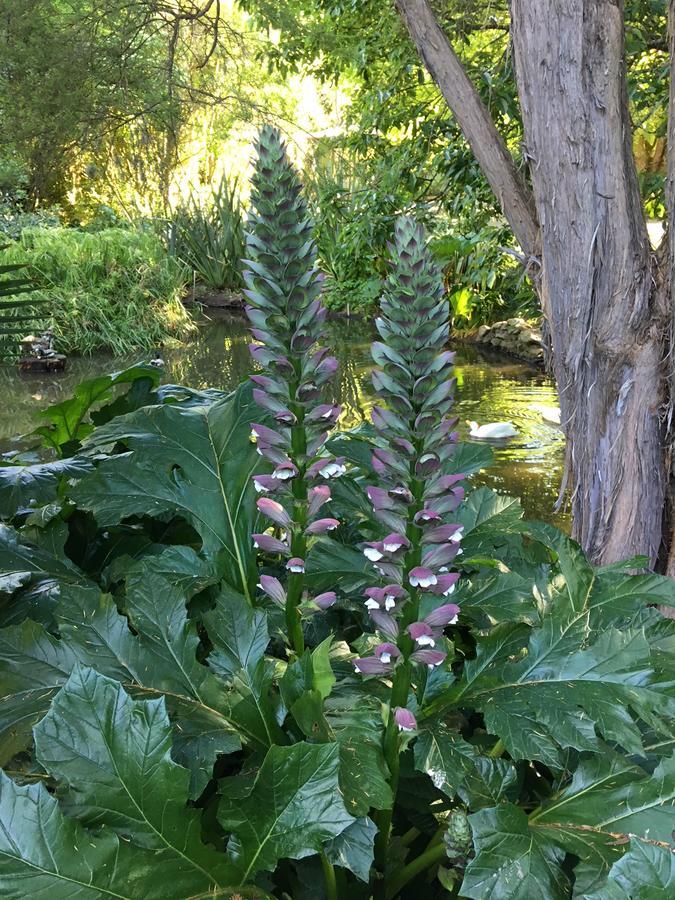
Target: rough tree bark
{"points": [[604, 293], [667, 260]]}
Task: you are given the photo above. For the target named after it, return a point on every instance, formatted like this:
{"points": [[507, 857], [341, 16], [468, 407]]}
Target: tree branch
{"points": [[475, 121]]}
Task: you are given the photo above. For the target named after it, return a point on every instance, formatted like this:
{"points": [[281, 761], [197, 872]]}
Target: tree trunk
{"points": [[668, 264], [599, 283], [601, 289]]}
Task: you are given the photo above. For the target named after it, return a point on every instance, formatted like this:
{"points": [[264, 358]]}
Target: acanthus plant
{"points": [[417, 492], [283, 288], [160, 741]]}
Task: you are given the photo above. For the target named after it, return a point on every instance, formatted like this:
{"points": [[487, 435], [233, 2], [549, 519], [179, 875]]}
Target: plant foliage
{"points": [[111, 290], [209, 237], [17, 314], [186, 715]]}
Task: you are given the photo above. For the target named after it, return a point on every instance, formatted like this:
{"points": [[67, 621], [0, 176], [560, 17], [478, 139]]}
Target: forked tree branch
{"points": [[475, 121]]}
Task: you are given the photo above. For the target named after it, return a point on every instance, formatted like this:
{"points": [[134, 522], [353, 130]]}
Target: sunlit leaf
{"points": [[195, 462]]}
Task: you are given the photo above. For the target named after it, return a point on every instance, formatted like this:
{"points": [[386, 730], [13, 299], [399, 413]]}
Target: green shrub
{"points": [[355, 201], [354, 211], [485, 283], [14, 219], [115, 290], [209, 238]]}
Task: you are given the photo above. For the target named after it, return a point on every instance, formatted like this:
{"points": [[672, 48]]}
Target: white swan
{"points": [[550, 414], [493, 431]]}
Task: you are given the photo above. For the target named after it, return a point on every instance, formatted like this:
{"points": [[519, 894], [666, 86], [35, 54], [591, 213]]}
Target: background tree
{"points": [[114, 101], [605, 294], [570, 189]]}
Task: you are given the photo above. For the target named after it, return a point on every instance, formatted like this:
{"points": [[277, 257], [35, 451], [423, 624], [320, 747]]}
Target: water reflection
{"points": [[489, 390]]}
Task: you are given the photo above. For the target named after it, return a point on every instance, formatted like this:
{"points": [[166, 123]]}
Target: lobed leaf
{"points": [[294, 807], [194, 462], [111, 758], [458, 769], [511, 862], [646, 872], [44, 853], [353, 848], [34, 485]]}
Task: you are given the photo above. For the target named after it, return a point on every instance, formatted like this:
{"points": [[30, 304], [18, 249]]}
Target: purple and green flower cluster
{"points": [[416, 495], [283, 290]]}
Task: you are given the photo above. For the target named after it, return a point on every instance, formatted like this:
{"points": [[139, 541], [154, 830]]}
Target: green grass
{"points": [[115, 290]]}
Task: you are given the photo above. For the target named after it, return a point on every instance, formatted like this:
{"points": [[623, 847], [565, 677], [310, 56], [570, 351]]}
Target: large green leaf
{"points": [[487, 516], [158, 661], [19, 556], [196, 463], [646, 872], [37, 484], [487, 599], [111, 758], [331, 564], [353, 848], [470, 457], [609, 594], [577, 573], [32, 573], [182, 566], [239, 637], [485, 508], [33, 665], [355, 720], [293, 808], [561, 696], [458, 769], [161, 659], [512, 862], [67, 426], [607, 800], [564, 687], [238, 633], [44, 853], [617, 596]]}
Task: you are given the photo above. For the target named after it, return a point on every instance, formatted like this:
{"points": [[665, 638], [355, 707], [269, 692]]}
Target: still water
{"points": [[490, 389]]}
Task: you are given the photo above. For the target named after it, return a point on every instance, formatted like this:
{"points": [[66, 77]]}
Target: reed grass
{"points": [[114, 290]]}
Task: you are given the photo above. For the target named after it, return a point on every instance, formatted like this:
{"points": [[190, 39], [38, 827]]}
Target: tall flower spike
{"points": [[416, 493], [283, 289]]}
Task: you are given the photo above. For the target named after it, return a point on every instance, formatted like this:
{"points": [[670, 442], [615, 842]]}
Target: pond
{"points": [[488, 390]]}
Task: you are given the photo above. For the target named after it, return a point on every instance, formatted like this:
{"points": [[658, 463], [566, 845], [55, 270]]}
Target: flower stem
{"points": [[497, 750], [424, 861], [293, 622], [410, 835], [329, 877], [399, 697], [296, 581]]}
